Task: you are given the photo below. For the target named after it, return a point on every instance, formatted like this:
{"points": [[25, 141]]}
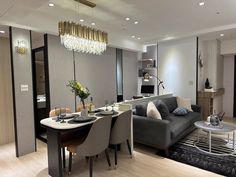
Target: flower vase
{"points": [[84, 112]]}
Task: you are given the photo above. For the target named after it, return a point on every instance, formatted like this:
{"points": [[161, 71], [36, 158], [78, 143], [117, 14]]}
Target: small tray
{"points": [[96, 111], [68, 116], [107, 113], [81, 119]]}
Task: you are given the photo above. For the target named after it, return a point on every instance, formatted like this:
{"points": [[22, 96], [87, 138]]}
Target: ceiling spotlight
{"points": [[201, 3], [222, 35], [93, 24], [136, 22], [138, 38], [81, 20], [51, 5], [127, 18], [2, 32], [133, 36]]}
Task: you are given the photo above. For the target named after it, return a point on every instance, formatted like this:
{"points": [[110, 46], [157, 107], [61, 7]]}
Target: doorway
{"points": [[41, 89]]}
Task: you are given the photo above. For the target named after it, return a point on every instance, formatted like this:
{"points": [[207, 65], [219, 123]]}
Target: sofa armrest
{"points": [[196, 108], [150, 131]]}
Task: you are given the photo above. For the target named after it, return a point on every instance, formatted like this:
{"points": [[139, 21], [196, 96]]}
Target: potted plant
{"points": [[80, 91]]}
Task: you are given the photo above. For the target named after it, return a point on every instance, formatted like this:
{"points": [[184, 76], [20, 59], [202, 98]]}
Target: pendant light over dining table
{"points": [[81, 38]]}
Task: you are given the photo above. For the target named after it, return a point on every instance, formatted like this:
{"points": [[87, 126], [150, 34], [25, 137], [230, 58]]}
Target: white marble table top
{"points": [[51, 122]]}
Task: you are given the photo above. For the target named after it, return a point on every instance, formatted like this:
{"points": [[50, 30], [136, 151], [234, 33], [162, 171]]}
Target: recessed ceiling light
{"points": [[138, 38], [201, 3], [2, 31], [93, 24], [127, 18], [51, 5], [81, 20], [136, 22], [133, 36], [222, 35]]}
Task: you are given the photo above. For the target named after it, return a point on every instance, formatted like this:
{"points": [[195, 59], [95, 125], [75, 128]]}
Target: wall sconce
{"points": [[21, 47]]}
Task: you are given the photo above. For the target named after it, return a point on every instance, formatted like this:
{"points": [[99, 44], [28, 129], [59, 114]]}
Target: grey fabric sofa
{"points": [[161, 134]]}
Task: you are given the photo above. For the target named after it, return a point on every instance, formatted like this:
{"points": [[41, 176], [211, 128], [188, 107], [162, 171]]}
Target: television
{"points": [[147, 89]]}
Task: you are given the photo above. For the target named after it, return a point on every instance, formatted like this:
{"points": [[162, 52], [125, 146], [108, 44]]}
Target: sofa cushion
{"points": [[152, 111], [184, 103], [141, 109], [180, 111], [171, 103], [163, 109], [178, 125], [193, 117]]}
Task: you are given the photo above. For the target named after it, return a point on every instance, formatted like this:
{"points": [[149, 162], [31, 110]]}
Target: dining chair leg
{"points": [[108, 158], [64, 157], [70, 162], [91, 166], [129, 147], [115, 155]]}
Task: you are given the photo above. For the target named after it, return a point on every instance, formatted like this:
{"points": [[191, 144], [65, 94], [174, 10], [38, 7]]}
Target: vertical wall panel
{"points": [[6, 105], [24, 114], [130, 72], [61, 70], [98, 73]]}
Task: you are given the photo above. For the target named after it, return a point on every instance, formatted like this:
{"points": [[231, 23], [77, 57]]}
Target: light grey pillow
{"points": [[152, 111]]}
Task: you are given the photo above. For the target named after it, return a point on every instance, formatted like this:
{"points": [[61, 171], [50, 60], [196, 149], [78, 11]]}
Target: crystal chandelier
{"points": [[79, 38]]}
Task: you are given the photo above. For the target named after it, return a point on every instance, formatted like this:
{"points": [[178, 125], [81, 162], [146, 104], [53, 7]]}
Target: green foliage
{"points": [[79, 90]]}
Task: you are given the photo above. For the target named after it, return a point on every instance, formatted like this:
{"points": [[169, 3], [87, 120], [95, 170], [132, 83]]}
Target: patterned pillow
{"points": [[180, 111]]}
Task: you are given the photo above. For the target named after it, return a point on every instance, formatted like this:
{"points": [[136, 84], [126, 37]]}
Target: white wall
{"points": [[177, 67], [212, 64], [228, 47], [228, 97]]}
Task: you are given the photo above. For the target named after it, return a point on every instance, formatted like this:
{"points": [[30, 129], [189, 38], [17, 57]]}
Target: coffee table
{"points": [[223, 128]]}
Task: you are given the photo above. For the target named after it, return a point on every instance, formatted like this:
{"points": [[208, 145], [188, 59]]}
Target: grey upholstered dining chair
{"points": [[96, 142], [121, 131]]}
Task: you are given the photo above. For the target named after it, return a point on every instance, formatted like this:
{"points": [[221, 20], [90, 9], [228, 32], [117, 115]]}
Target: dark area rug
{"points": [[185, 152], [223, 165]]}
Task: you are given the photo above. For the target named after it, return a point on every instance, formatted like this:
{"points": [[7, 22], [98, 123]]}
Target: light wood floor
{"points": [[144, 164]]}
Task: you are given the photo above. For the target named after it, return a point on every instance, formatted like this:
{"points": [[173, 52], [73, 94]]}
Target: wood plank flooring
{"points": [[144, 164]]}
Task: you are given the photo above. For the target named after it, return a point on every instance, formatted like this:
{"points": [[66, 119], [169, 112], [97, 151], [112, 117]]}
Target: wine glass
{"points": [[112, 104], [106, 104], [62, 114]]}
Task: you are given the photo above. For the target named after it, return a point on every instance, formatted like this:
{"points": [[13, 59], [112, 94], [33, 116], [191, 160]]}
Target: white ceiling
{"points": [[158, 19]]}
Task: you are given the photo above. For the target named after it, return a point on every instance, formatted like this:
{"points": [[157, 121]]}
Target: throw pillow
{"points": [[141, 109], [184, 103], [163, 109], [180, 111], [152, 111]]}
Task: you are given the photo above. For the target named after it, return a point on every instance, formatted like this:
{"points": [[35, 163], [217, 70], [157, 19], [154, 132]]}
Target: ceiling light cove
{"points": [[51, 5], [133, 36], [138, 38], [222, 35], [127, 18], [81, 20], [93, 24], [136, 22], [2, 32], [201, 3]]}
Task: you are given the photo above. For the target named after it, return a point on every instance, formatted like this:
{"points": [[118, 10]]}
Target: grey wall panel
{"points": [[130, 72], [98, 73], [61, 70], [23, 99]]}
